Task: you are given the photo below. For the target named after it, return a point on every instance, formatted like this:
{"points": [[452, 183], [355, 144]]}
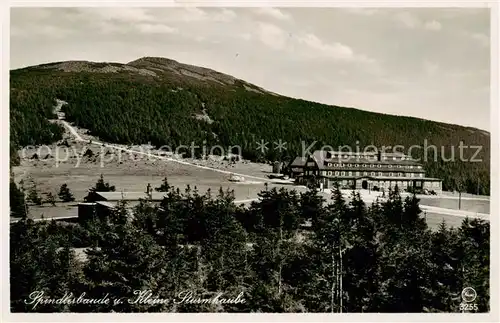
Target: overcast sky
{"points": [[428, 63]]}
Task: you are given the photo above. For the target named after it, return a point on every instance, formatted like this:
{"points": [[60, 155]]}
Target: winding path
{"points": [[79, 138]]}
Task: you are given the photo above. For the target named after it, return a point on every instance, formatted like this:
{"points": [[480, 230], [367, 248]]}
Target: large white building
{"points": [[366, 170]]}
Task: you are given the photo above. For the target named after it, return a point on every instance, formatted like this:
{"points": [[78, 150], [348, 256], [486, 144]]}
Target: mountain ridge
{"points": [[147, 65]]}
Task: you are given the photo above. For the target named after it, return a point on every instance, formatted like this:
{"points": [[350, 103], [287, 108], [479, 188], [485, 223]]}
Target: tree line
{"points": [[286, 252], [21, 196]]}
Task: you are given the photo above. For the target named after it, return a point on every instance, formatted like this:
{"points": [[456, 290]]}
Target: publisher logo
{"points": [[469, 294]]}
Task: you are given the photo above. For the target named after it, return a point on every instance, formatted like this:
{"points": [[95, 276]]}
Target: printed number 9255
{"points": [[468, 307]]}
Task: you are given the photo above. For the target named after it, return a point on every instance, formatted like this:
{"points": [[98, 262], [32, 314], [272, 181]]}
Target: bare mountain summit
{"points": [[166, 65], [158, 67]]}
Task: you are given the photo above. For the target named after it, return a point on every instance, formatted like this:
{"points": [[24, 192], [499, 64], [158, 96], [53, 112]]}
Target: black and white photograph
{"points": [[259, 159]]}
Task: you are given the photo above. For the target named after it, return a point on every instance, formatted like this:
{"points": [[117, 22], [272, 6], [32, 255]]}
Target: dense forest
{"points": [[157, 100], [351, 258]]}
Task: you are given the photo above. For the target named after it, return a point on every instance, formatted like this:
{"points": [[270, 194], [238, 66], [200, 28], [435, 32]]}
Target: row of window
{"points": [[391, 174], [369, 157], [372, 165], [401, 184], [354, 157]]}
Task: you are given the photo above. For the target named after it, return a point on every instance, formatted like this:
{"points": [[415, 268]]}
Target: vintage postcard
{"points": [[251, 160]]}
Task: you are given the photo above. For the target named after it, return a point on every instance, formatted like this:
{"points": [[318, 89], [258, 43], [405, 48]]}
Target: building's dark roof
{"points": [[394, 154], [130, 196], [370, 153], [374, 169], [298, 162], [386, 178], [351, 153], [320, 156], [107, 204], [382, 162]]}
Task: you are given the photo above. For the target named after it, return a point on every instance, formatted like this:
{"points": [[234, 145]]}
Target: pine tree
{"points": [[360, 257], [446, 280], [100, 186], [225, 249], [65, 194], [39, 262], [311, 204], [327, 248], [164, 187], [33, 196], [473, 250], [405, 266], [18, 207], [126, 263], [277, 218]]}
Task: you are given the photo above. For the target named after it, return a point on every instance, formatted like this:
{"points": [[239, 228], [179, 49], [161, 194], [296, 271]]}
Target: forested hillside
{"points": [[157, 100], [30, 109]]}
